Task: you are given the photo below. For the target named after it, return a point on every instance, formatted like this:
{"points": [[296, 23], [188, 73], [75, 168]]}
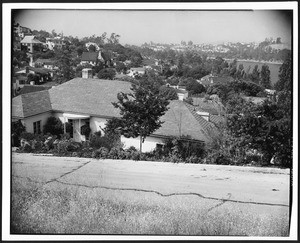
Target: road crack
{"points": [[67, 173], [174, 194]]}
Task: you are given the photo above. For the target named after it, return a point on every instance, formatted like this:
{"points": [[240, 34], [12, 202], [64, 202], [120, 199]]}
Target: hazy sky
{"points": [[137, 27]]}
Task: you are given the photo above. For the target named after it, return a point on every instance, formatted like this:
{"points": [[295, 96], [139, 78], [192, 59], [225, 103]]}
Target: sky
{"points": [[164, 26]]}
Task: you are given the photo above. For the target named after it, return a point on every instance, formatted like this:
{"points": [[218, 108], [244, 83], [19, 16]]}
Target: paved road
{"points": [[263, 186]]}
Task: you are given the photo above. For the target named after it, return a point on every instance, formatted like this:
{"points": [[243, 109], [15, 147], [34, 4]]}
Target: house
{"points": [[255, 100], [210, 79], [57, 42], [136, 71], [93, 58], [29, 41], [43, 74], [80, 101], [46, 63], [89, 58]]}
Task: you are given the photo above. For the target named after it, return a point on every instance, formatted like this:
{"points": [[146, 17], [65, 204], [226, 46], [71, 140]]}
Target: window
{"points": [[37, 127]]}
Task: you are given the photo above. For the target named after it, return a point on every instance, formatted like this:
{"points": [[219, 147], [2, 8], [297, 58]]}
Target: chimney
{"points": [[204, 115], [87, 73]]}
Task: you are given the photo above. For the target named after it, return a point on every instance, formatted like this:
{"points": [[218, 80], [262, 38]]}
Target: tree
{"points": [[16, 129], [190, 43], [121, 67], [64, 61], [140, 110], [114, 38], [254, 76], [194, 87], [92, 48], [278, 40], [168, 92], [107, 73], [265, 76], [285, 76]]}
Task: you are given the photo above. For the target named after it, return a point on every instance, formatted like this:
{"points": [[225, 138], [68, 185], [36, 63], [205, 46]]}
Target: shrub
{"points": [[54, 126], [17, 128]]}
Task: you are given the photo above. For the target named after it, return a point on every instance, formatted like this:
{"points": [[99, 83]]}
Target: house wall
{"points": [[97, 122], [148, 145], [28, 122]]}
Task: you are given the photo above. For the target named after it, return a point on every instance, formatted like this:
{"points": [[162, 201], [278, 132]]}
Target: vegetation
{"points": [[107, 73], [141, 109], [65, 209]]}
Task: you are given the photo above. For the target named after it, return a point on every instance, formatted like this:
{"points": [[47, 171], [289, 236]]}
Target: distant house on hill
{"points": [[46, 63], [255, 100], [210, 79], [136, 71], [57, 42], [93, 58], [89, 58], [89, 101]]}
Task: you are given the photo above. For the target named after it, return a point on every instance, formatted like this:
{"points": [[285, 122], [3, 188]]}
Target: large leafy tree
{"points": [[65, 63], [140, 109], [193, 87]]}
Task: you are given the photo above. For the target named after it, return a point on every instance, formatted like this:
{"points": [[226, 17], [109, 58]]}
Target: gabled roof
{"points": [[89, 56], [31, 104], [208, 127], [31, 39], [88, 96], [217, 120], [179, 120], [208, 106], [32, 88]]}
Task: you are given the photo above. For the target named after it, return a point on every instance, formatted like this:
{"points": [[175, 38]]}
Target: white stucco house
{"points": [[86, 100], [136, 71]]}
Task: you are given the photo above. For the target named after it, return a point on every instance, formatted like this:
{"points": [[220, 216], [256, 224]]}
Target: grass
{"points": [[58, 209]]}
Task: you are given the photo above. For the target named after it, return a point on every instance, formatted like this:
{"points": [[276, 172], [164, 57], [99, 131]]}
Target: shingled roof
{"points": [[31, 104], [33, 88], [88, 96], [179, 121]]}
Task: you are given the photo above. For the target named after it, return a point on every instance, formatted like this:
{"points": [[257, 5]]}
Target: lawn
{"points": [[55, 208]]}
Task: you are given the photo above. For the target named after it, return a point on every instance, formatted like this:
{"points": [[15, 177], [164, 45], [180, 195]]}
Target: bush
{"points": [[54, 126]]}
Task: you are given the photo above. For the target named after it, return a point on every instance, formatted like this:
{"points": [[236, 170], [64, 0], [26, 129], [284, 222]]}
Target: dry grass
{"points": [[60, 209]]}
